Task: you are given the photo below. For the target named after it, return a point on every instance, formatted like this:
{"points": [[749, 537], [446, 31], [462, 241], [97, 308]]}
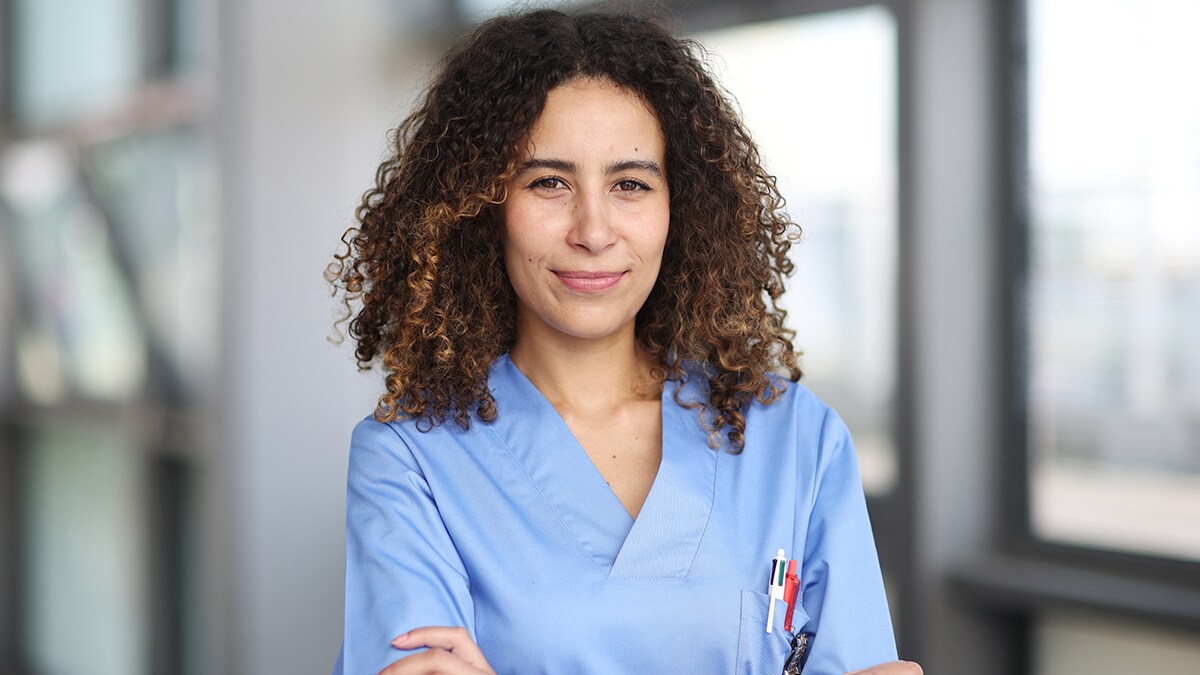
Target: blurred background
{"points": [[999, 288]]}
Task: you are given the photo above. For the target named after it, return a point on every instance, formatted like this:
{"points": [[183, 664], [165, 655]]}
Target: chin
{"points": [[591, 332], [596, 329]]}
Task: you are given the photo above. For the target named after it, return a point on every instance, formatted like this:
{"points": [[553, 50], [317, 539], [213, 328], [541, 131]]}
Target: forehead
{"points": [[595, 116]]}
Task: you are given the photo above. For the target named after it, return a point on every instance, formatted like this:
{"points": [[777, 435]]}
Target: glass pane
{"points": [[1114, 279], [824, 115], [189, 32], [1077, 644], [83, 591], [159, 189], [71, 55], [481, 10], [82, 332]]}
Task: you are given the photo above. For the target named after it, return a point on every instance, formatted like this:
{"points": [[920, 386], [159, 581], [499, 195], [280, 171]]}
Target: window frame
{"points": [[1026, 574]]}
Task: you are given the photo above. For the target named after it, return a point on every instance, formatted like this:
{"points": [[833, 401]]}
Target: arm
{"points": [[842, 585], [402, 569]]}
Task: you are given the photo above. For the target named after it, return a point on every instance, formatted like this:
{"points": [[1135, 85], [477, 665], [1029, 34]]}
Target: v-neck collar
{"points": [[663, 541]]}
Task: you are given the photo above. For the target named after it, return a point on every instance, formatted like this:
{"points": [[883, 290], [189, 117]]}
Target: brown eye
{"points": [[631, 185], [548, 183]]}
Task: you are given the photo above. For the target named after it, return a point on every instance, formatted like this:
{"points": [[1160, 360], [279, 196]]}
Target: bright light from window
{"points": [[1114, 285], [819, 95]]}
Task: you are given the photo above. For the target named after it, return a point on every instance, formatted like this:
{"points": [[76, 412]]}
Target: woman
{"points": [[584, 461]]}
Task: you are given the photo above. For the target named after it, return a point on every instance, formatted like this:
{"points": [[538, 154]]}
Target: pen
{"points": [[795, 660], [775, 587], [791, 589]]}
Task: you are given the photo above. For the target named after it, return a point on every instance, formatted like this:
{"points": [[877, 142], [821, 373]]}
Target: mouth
{"points": [[588, 282]]}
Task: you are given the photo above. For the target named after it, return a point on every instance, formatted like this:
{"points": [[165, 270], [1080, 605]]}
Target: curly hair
{"points": [[426, 266]]}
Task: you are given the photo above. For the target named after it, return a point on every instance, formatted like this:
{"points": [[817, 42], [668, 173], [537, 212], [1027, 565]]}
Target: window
{"points": [[102, 64], [827, 130], [1113, 276], [825, 113], [108, 305]]}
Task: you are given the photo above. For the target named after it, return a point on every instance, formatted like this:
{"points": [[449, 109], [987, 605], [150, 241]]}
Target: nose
{"points": [[591, 224]]}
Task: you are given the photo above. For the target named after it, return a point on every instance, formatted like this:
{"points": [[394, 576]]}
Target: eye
{"points": [[631, 185], [548, 183]]}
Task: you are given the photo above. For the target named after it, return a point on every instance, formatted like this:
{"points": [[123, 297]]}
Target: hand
{"points": [[451, 652], [893, 668]]}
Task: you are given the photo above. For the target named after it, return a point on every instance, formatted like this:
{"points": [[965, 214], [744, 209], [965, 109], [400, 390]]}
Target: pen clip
{"points": [[794, 664]]}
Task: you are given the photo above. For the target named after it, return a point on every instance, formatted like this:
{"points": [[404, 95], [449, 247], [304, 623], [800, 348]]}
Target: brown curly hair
{"points": [[426, 263]]}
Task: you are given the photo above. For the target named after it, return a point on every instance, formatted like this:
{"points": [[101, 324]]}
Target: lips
{"points": [[588, 282]]}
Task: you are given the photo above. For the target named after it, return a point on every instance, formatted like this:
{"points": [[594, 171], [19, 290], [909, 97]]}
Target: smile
{"points": [[589, 282]]}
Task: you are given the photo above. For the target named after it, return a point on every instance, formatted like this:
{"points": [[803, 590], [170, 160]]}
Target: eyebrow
{"points": [[649, 166], [646, 165], [540, 163]]}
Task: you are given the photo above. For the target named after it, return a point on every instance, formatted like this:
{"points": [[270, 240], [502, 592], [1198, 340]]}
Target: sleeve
{"points": [[842, 587], [402, 568]]}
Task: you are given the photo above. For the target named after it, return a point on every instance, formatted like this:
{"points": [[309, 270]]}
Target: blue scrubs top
{"points": [[509, 530]]}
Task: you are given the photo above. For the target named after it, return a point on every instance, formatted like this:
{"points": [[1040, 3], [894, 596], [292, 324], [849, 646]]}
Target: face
{"points": [[586, 216]]}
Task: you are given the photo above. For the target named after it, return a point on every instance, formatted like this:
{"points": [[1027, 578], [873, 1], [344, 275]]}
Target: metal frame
{"points": [[1028, 575], [10, 456], [7, 34], [1185, 575], [11, 496]]}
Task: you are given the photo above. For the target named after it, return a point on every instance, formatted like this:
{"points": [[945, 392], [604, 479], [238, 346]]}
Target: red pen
{"points": [[791, 588]]}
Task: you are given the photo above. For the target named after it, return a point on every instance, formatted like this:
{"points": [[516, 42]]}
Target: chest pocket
{"points": [[760, 653]]}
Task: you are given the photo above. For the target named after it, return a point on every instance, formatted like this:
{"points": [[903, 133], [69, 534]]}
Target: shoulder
{"points": [[405, 441], [797, 402], [798, 421], [375, 445]]}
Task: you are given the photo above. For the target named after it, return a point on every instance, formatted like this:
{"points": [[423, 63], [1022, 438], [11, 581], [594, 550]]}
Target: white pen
{"points": [[775, 587]]}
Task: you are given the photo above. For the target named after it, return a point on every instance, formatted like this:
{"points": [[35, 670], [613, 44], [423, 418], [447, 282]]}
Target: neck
{"points": [[579, 374]]}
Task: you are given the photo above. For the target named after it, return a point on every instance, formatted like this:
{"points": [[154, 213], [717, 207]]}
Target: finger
{"points": [[892, 668], [454, 639], [435, 661]]}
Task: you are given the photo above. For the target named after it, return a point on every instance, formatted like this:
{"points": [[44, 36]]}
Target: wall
{"points": [[953, 182], [306, 93]]}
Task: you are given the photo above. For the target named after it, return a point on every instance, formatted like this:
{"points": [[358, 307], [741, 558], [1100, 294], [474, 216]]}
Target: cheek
{"points": [[510, 241], [517, 250], [521, 258], [520, 235], [655, 240]]}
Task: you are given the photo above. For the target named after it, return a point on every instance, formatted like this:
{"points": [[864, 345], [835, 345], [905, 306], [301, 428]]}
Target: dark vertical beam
{"points": [[8, 41], [12, 71], [909, 635], [1010, 461], [6, 46], [160, 52], [1012, 251], [170, 506], [10, 536], [10, 447]]}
